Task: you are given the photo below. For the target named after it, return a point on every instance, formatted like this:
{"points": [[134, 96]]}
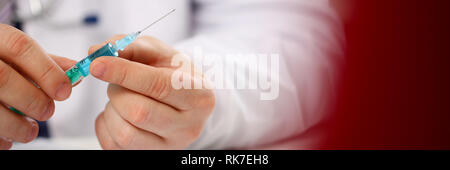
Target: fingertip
{"points": [[48, 112], [63, 91], [64, 88], [32, 133]]}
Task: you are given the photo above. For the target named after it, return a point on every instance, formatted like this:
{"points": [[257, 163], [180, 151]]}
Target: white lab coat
{"points": [[304, 32]]}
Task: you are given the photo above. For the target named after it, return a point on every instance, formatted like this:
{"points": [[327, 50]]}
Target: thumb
{"points": [[63, 62]]}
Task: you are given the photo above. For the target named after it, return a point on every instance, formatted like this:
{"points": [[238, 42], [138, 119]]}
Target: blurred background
{"points": [[394, 93]]}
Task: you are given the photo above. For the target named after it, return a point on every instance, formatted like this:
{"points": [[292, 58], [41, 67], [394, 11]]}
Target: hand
{"points": [[145, 111], [23, 63]]}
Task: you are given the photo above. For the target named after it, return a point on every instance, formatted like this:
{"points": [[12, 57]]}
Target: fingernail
{"points": [[62, 91], [47, 113], [34, 130], [98, 69]]}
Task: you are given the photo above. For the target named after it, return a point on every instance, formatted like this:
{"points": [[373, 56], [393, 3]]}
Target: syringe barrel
{"points": [[106, 50], [81, 69]]}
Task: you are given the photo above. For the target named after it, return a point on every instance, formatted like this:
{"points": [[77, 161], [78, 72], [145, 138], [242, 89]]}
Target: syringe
{"points": [[81, 69]]}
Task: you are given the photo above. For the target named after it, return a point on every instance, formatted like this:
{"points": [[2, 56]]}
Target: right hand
{"points": [[24, 63]]}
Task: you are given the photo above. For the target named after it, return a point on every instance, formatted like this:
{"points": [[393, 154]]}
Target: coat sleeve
{"points": [[305, 34]]}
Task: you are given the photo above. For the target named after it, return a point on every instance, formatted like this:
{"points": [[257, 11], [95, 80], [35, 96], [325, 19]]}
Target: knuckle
{"points": [[206, 100], [48, 70], [159, 87], [19, 43], [125, 136], [138, 114], [192, 133], [160, 123]]}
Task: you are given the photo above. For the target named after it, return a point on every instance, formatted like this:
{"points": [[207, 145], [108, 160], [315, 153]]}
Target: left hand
{"points": [[145, 111]]}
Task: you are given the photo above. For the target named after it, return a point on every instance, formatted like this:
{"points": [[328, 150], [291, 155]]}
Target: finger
{"points": [[94, 48], [128, 136], [21, 50], [63, 62], [146, 113], [5, 143], [21, 94], [146, 50], [16, 127], [105, 139], [149, 81]]}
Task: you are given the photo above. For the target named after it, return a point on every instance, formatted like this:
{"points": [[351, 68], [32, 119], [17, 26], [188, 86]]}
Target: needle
{"points": [[153, 23]]}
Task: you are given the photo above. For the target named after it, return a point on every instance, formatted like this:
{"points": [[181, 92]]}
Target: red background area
{"points": [[394, 93]]}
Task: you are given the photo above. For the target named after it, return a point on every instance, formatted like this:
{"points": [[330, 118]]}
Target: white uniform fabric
{"points": [[306, 34]]}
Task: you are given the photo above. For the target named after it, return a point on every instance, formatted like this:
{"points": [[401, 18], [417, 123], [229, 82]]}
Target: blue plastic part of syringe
{"points": [[124, 42], [107, 50], [83, 65]]}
